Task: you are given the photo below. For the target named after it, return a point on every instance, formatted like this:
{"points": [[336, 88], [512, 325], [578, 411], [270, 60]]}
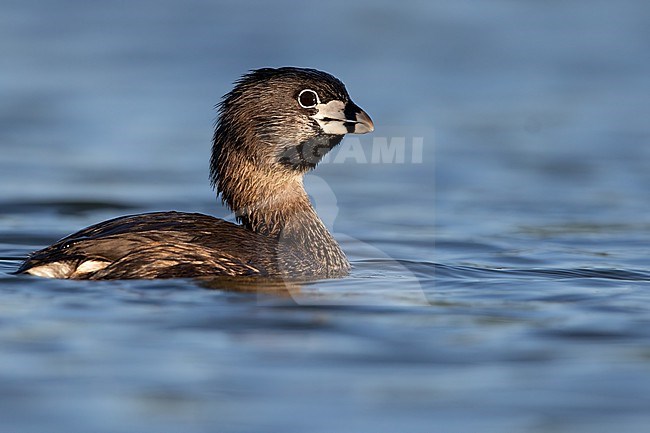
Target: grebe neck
{"points": [[276, 205]]}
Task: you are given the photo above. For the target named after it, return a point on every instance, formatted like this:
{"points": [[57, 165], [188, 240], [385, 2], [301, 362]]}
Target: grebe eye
{"points": [[308, 98]]}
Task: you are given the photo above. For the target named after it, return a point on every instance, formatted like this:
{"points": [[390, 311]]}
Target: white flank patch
{"points": [[65, 270], [51, 270], [90, 266]]}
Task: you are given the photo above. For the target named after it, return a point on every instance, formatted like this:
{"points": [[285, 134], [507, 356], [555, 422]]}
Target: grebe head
{"points": [[284, 121]]}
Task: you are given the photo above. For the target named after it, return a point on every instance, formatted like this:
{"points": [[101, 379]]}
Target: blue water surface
{"points": [[500, 243]]}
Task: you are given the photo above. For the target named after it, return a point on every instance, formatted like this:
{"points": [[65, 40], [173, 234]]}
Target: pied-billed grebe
{"points": [[273, 127]]}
